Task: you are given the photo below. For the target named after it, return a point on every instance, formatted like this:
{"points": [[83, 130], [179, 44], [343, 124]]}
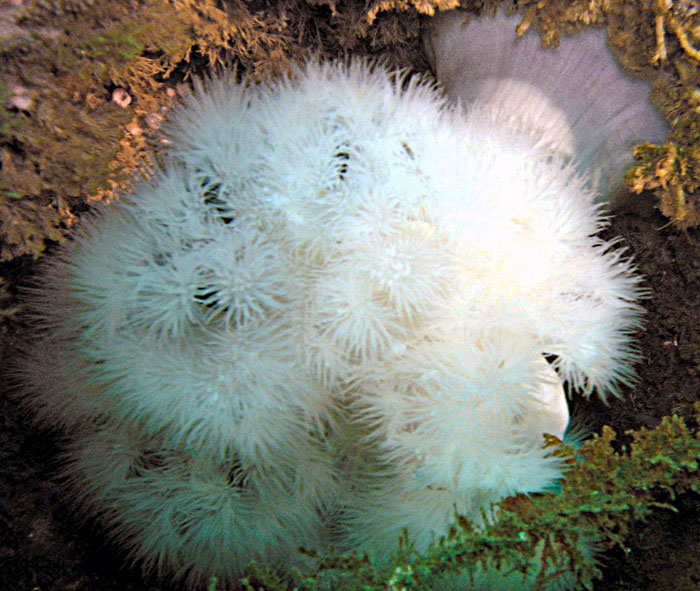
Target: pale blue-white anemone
{"points": [[327, 320]]}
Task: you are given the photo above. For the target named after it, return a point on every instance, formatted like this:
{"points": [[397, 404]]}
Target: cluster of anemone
{"points": [[344, 308]]}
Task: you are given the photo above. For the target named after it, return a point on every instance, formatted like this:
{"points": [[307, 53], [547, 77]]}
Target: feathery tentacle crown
{"points": [[325, 321]]}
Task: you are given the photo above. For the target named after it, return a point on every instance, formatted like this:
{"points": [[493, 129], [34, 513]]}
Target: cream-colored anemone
{"points": [[327, 318]]}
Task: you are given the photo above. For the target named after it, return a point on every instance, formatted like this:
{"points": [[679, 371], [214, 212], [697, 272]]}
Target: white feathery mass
{"points": [[344, 308]]}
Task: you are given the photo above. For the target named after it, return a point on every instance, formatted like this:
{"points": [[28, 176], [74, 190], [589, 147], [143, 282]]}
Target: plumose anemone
{"points": [[344, 308]]}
